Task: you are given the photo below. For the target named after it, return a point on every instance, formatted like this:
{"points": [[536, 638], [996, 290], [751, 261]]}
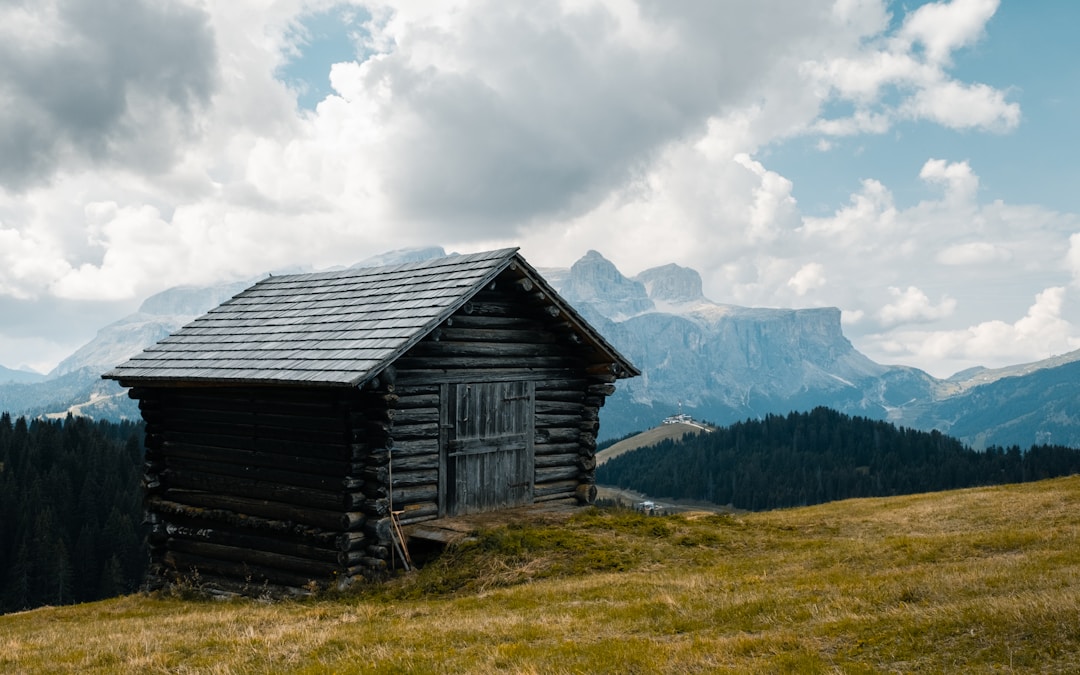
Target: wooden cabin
{"points": [[291, 430]]}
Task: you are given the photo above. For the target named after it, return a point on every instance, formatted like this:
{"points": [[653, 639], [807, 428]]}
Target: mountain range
{"points": [[719, 363]]}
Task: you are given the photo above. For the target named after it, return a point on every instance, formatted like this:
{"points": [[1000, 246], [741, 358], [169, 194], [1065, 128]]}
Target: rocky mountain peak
{"points": [[191, 301], [596, 283], [672, 283]]}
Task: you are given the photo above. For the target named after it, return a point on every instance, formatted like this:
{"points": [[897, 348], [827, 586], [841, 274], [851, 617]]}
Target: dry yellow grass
{"points": [[976, 581], [664, 432]]}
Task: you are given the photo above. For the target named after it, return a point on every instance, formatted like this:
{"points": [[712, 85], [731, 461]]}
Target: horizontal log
{"points": [[553, 407], [415, 416], [566, 487], [414, 462], [163, 511], [497, 335], [567, 459], [420, 446], [463, 320], [402, 478], [601, 389], [180, 418], [413, 494], [342, 521], [558, 420], [230, 537], [475, 349], [406, 432], [478, 307], [316, 568], [568, 500], [187, 564], [419, 400], [575, 383], [466, 362], [454, 376], [297, 448], [418, 511], [327, 468], [409, 390], [555, 473], [276, 474], [360, 418], [260, 489], [557, 435], [264, 398], [556, 448]]}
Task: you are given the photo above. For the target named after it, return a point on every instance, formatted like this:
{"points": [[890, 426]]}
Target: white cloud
{"points": [[911, 305], [809, 277], [963, 106], [1072, 258], [973, 253], [1042, 332], [943, 27], [959, 181], [26, 264]]}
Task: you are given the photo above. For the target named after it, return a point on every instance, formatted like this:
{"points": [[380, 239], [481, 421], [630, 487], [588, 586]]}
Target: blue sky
{"points": [[1029, 51], [913, 164]]}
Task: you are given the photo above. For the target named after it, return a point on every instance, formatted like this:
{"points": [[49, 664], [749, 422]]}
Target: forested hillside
{"points": [[70, 511], [821, 456]]}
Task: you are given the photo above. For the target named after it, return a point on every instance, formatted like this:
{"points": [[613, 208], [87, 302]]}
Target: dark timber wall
{"points": [[261, 483]]}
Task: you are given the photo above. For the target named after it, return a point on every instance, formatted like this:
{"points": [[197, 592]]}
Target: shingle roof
{"points": [[330, 328]]}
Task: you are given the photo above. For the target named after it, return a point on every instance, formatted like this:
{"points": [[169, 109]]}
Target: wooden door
{"points": [[489, 449]]}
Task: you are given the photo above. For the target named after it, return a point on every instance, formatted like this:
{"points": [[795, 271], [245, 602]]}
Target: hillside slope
{"points": [[968, 581], [664, 432]]}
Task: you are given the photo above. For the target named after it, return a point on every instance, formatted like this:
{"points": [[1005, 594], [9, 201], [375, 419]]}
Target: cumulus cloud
{"points": [[959, 181], [87, 82], [963, 106], [943, 27], [911, 305], [912, 63], [973, 253], [809, 277], [1072, 258], [1038, 334]]}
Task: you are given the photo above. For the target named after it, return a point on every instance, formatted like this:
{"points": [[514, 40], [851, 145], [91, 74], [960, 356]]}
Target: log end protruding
{"points": [[585, 494]]}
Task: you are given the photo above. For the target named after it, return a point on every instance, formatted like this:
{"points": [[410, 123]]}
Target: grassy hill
{"points": [[972, 580], [664, 432]]}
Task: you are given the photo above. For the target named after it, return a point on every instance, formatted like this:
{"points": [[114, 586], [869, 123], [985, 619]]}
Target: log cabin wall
{"points": [[263, 485], [506, 333]]}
